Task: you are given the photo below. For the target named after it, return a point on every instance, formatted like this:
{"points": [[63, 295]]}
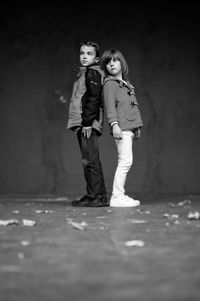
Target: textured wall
{"points": [[38, 52]]}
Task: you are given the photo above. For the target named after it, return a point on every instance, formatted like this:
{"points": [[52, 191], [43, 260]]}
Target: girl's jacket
{"points": [[121, 104], [86, 104]]}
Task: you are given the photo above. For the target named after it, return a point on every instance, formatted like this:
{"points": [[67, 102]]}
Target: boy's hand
{"points": [[117, 133], [87, 131]]}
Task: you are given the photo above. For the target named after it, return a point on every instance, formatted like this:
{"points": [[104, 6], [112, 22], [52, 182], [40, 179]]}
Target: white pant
{"points": [[125, 160]]}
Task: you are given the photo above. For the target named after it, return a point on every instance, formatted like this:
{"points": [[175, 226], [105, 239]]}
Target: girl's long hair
{"points": [[114, 53]]}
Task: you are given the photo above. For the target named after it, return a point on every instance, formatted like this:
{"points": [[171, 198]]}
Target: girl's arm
{"points": [[109, 92]]}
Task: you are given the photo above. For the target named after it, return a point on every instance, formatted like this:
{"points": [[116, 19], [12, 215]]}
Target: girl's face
{"points": [[114, 67], [88, 56]]}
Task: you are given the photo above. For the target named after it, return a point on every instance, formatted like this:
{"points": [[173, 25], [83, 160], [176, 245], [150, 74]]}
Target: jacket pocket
{"points": [[131, 113]]}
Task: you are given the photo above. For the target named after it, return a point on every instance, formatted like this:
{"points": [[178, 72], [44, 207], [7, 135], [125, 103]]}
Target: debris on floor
{"points": [[27, 222], [44, 211], [76, 225], [193, 215], [136, 221], [25, 243], [183, 203], [9, 222], [171, 216], [134, 243]]}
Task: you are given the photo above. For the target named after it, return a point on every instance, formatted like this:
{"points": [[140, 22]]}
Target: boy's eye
{"points": [[87, 53]]}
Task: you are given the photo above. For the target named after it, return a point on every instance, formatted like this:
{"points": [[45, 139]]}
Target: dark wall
{"points": [[38, 51]]}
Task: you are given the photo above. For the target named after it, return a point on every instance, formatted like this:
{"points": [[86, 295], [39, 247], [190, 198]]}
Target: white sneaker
{"points": [[124, 201]]}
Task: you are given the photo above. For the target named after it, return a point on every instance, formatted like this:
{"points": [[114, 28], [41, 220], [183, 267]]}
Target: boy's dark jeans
{"points": [[91, 164]]}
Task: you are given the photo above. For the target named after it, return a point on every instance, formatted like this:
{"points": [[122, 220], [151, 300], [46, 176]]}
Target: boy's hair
{"points": [[92, 44], [114, 53]]}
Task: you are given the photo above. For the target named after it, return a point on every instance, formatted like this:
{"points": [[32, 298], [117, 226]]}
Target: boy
{"points": [[86, 120]]}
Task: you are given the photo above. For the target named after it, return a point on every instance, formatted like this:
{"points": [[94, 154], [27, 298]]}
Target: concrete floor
{"points": [[89, 253]]}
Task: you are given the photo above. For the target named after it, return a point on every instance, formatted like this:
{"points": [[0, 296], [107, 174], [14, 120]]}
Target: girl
{"points": [[124, 119]]}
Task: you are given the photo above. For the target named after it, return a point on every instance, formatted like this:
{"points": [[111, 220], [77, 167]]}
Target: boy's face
{"points": [[88, 56]]}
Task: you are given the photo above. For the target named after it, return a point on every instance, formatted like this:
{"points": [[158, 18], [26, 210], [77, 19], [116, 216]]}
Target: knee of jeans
{"points": [[85, 162]]}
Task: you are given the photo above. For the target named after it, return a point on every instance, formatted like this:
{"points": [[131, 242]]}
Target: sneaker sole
{"points": [[131, 203]]}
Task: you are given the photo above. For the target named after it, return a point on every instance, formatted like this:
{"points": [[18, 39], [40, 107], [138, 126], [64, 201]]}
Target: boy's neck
{"points": [[94, 64]]}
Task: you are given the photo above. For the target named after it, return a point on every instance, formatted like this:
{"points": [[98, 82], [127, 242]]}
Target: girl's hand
{"points": [[117, 133], [137, 133]]}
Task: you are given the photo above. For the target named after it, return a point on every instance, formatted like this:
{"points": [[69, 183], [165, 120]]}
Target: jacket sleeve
{"points": [[92, 99], [109, 94]]}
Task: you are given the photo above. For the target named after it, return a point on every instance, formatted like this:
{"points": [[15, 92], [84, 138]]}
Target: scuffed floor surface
{"points": [[52, 251]]}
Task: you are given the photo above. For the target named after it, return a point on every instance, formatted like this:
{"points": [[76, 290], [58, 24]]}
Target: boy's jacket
{"points": [[86, 104]]}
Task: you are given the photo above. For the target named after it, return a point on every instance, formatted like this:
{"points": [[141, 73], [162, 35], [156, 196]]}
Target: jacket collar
{"points": [[121, 83], [112, 78], [81, 70]]}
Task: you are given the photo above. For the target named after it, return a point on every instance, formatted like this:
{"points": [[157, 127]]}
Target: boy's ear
{"points": [[97, 59]]}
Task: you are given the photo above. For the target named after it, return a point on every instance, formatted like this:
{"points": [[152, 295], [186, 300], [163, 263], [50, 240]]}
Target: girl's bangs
{"points": [[111, 56]]}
